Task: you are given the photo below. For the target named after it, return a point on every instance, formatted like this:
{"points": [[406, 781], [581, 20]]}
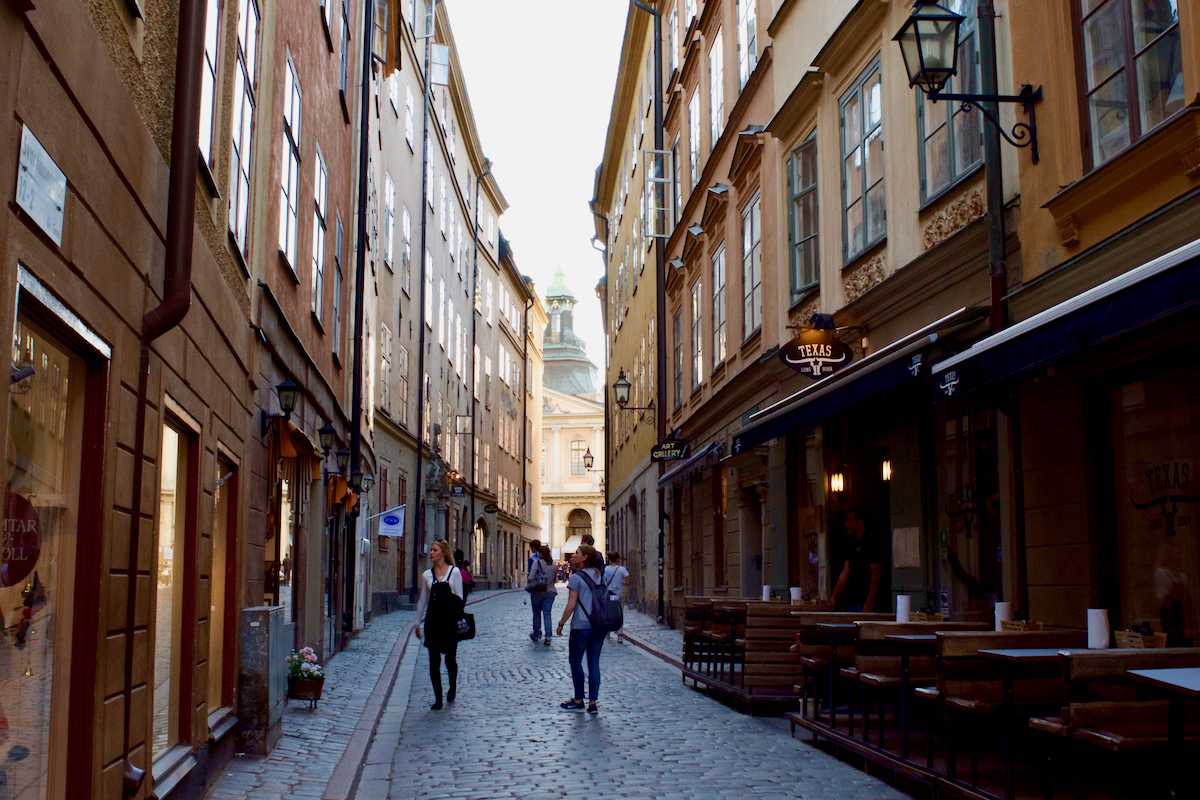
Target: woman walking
{"points": [[583, 641], [439, 610], [542, 600]]}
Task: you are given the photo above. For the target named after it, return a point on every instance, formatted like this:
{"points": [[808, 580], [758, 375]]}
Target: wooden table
{"points": [[834, 634], [1179, 684], [1013, 660], [910, 644]]}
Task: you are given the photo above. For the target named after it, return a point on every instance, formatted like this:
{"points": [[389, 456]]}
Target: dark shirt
{"points": [[861, 554]]}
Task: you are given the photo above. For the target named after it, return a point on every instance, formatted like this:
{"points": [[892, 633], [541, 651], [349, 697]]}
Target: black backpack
{"points": [[605, 615]]}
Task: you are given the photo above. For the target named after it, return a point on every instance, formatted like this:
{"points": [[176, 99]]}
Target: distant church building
{"points": [[572, 427]]}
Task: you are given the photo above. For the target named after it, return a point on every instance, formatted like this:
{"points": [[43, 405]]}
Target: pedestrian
{"points": [[467, 578], [615, 576], [542, 594], [583, 640], [440, 609], [534, 546]]}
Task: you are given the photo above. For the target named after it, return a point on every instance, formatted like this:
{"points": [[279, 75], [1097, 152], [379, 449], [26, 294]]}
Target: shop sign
{"points": [[816, 353], [949, 384], [457, 490], [491, 508], [21, 544], [1166, 485], [41, 187], [669, 450]]}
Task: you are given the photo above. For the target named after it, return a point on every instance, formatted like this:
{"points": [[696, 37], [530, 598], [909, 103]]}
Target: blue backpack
{"points": [[605, 615]]}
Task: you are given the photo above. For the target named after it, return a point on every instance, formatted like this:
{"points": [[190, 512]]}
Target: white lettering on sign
{"points": [[41, 187]]}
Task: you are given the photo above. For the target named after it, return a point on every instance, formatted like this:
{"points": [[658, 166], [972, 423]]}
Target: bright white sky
{"points": [[540, 76]]}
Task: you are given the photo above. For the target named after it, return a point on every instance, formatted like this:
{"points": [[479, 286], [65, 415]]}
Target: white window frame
{"points": [[716, 88], [719, 307], [752, 267], [289, 177], [389, 218], [241, 123], [694, 139], [320, 226], [697, 336], [747, 41]]}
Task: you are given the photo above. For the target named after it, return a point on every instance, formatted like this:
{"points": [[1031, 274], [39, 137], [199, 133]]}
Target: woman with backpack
{"points": [[584, 640], [541, 594], [439, 610]]}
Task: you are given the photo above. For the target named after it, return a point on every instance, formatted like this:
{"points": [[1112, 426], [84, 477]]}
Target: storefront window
{"points": [[45, 407], [1156, 441], [172, 508], [221, 594], [286, 551]]}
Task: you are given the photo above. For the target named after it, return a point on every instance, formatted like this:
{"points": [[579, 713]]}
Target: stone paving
{"points": [[313, 741], [654, 738]]}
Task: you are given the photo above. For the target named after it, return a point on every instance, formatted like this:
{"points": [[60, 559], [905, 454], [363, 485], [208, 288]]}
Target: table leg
{"points": [[832, 683], [1175, 743], [902, 707], [1008, 711]]}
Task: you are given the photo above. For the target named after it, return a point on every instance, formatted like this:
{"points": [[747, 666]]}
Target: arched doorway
{"points": [[478, 556], [579, 522]]}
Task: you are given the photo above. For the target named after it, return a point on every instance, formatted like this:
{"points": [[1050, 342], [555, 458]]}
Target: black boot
{"points": [[435, 677]]}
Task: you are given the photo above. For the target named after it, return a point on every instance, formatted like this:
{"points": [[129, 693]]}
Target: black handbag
{"points": [[465, 627]]}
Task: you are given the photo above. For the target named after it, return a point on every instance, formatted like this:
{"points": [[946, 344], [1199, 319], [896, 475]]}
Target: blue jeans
{"points": [[585, 641], [542, 604]]}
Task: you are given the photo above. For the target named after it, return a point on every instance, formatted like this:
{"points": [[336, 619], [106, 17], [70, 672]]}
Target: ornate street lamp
{"points": [[589, 460], [343, 460], [621, 387], [929, 44], [288, 392], [326, 434]]}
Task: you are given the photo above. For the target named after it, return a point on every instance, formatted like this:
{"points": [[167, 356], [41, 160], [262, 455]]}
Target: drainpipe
{"points": [[177, 298], [470, 526], [360, 277]]}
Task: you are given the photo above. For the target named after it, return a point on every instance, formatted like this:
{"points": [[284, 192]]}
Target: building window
{"points": [[697, 337], [242, 123], [208, 81], [694, 141], [689, 10], [676, 185], [408, 116], [752, 267], [320, 224], [442, 312], [338, 258], [405, 250], [389, 218], [174, 498], [951, 137], [673, 41], [716, 89], [402, 385], [747, 11], [289, 177], [221, 624], [344, 64], [718, 305], [1133, 70], [864, 215], [385, 368], [802, 217], [577, 448], [428, 290]]}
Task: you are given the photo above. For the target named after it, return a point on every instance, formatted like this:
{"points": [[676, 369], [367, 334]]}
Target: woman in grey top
{"points": [[583, 641]]}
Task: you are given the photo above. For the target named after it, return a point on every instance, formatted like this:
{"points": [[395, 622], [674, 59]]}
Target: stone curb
{"points": [[654, 651], [345, 775]]}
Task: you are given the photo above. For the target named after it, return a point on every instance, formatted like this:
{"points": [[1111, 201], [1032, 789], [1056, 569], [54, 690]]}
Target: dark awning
{"points": [[699, 458], [1166, 286], [885, 369]]}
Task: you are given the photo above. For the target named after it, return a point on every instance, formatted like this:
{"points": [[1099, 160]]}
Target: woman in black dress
{"points": [[439, 611]]}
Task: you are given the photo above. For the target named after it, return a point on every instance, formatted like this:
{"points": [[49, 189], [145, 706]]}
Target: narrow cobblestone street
{"points": [[507, 738]]}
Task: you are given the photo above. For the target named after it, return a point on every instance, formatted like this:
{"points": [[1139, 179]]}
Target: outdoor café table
{"points": [[1179, 684], [834, 634], [1036, 660], [909, 644]]}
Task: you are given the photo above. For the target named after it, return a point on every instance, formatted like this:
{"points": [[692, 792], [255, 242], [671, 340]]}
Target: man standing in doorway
{"points": [[857, 586]]}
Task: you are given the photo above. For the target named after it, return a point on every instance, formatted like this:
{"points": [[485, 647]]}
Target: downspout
{"points": [[525, 433], [177, 298], [470, 522], [360, 277]]}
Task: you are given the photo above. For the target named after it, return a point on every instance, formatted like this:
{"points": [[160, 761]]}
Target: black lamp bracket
{"points": [[1023, 134]]}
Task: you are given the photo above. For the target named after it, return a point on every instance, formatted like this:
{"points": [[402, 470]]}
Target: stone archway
{"points": [[579, 522], [479, 544]]}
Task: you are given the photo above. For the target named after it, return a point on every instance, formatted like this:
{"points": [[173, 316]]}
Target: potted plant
{"points": [[306, 677]]}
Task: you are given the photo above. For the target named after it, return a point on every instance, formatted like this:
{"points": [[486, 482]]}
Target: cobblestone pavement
{"points": [[663, 639], [654, 738], [313, 741]]}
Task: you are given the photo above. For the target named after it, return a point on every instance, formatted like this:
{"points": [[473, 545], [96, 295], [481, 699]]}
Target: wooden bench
{"points": [[968, 684]]}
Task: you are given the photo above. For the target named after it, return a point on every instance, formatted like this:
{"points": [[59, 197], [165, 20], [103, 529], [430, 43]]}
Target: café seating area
{"points": [[956, 708]]}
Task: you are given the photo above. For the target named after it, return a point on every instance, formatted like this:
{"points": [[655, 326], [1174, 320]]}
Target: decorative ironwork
{"points": [[1022, 134]]}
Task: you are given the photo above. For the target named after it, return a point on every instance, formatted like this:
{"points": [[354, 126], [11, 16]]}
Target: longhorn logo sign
{"points": [[816, 353]]}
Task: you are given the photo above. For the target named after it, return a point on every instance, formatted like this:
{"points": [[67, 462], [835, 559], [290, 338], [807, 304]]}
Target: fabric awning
{"points": [[572, 544], [697, 459], [885, 369], [1166, 286]]}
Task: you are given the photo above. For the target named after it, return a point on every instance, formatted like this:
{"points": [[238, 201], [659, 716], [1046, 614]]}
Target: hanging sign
{"points": [[816, 353], [491, 508], [669, 450], [391, 522], [21, 541]]}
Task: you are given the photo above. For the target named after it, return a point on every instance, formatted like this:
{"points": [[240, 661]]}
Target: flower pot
{"points": [[306, 689]]}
